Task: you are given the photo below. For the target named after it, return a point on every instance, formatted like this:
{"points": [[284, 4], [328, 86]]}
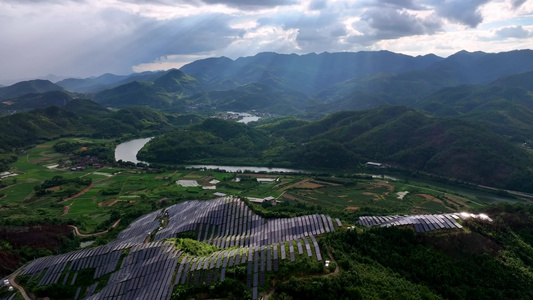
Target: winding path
{"points": [[85, 189], [78, 233], [18, 287]]}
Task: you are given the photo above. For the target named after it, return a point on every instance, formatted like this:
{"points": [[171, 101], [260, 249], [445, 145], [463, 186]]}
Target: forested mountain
{"points": [[253, 96], [480, 67], [311, 83], [81, 118], [506, 110], [308, 73], [104, 82], [28, 87], [86, 108], [521, 80], [213, 140], [395, 135], [408, 138], [477, 110], [135, 94], [36, 100]]}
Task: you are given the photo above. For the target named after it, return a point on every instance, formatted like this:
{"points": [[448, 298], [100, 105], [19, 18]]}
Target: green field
{"points": [[133, 191]]}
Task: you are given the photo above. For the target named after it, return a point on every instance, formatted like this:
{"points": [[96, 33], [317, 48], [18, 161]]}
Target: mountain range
{"points": [[467, 116], [288, 83]]}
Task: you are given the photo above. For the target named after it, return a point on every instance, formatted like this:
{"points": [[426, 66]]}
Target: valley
{"points": [[411, 176]]}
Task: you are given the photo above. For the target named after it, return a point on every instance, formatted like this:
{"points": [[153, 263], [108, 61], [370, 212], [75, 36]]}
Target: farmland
{"points": [[130, 190], [97, 198]]}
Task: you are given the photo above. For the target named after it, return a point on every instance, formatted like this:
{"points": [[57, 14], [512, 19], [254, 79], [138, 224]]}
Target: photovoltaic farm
{"points": [[421, 223], [142, 263]]}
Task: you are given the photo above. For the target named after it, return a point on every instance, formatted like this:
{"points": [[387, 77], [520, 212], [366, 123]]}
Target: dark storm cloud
{"points": [[148, 39], [113, 42], [185, 35], [465, 12]]}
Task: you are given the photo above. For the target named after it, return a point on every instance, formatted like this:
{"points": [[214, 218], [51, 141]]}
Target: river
{"points": [[127, 151]]}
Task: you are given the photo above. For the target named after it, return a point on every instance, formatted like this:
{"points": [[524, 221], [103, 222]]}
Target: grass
{"points": [[139, 190]]}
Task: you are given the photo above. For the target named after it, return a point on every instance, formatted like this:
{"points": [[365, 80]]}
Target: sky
{"points": [[83, 38]]}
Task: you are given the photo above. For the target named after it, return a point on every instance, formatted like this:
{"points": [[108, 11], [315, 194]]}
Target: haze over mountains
{"points": [[470, 115], [311, 83]]}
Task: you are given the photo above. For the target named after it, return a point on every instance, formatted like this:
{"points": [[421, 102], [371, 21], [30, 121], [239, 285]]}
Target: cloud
{"points": [[251, 4], [318, 32], [465, 12], [89, 43], [406, 4], [318, 4], [44, 2], [379, 24], [91, 37], [239, 4], [517, 3], [517, 32]]}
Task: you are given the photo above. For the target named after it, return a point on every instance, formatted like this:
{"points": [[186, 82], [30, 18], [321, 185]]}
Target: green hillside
{"points": [[175, 81], [28, 87], [213, 141], [521, 80], [86, 108], [253, 96], [505, 110], [36, 100], [135, 94], [401, 136]]}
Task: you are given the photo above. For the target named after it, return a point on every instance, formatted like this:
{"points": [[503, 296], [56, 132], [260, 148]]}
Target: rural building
{"points": [[187, 183], [374, 164], [266, 180]]}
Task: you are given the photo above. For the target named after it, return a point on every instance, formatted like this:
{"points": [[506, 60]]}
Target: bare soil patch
{"points": [[325, 183], [44, 146], [260, 175], [108, 203], [380, 184], [7, 187], [352, 207], [430, 198], [455, 199], [301, 182], [54, 188], [308, 185], [282, 183], [290, 197], [65, 210], [374, 195]]}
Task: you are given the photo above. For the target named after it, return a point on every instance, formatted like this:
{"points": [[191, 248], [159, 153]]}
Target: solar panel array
{"points": [[421, 223], [151, 270], [8, 297]]}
